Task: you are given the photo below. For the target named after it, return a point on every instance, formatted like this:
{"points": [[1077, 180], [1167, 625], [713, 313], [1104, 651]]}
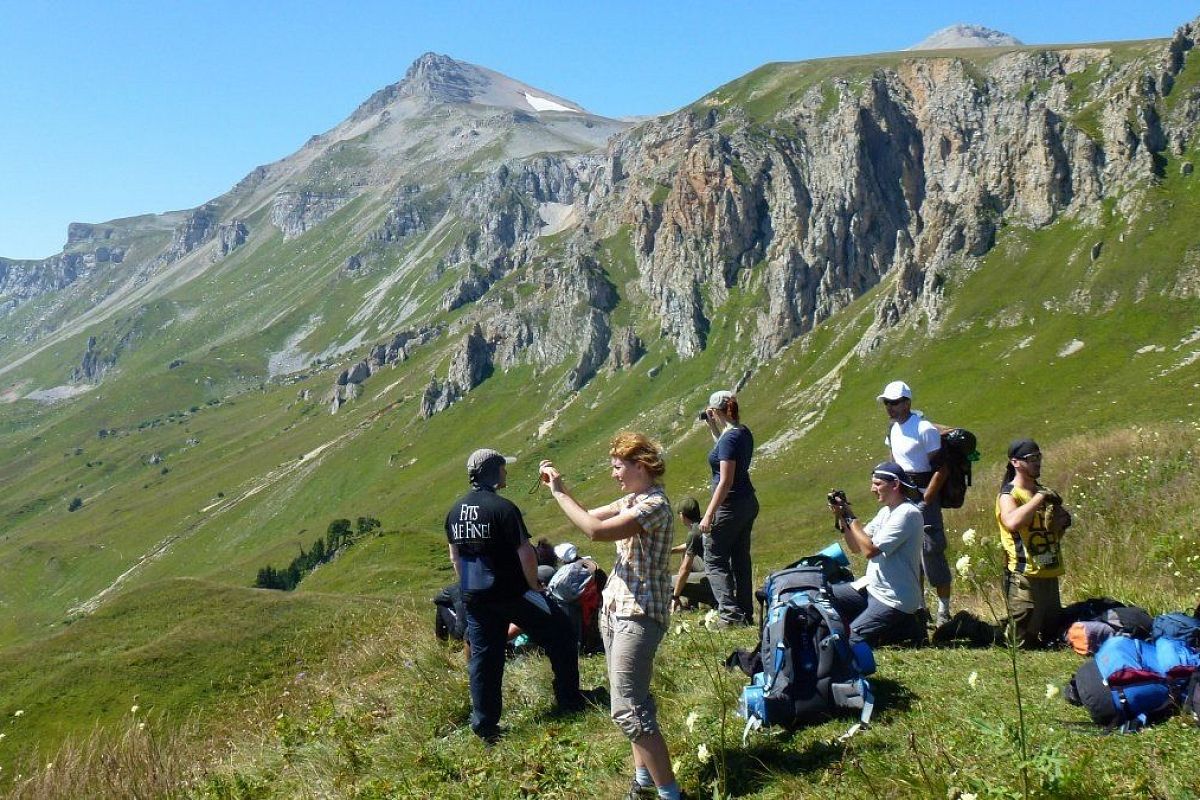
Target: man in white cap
{"points": [[916, 445], [497, 572]]}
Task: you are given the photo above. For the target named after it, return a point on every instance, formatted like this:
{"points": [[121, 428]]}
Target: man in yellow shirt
{"points": [[1032, 523]]}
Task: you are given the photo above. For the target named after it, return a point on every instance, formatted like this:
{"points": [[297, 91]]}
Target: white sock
{"points": [[944, 605], [643, 778]]}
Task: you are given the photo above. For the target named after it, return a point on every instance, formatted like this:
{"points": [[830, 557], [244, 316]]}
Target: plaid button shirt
{"points": [[640, 583]]}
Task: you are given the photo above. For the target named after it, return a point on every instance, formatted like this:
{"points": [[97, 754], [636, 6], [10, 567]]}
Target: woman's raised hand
{"points": [[550, 475]]}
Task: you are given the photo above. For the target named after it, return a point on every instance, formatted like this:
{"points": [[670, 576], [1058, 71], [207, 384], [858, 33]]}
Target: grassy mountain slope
{"points": [[193, 476]]}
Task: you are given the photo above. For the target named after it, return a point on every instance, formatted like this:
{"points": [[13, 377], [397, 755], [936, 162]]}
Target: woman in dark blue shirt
{"points": [[729, 519]]}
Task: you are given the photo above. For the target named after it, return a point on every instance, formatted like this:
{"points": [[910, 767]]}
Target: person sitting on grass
{"points": [[691, 582], [884, 606]]}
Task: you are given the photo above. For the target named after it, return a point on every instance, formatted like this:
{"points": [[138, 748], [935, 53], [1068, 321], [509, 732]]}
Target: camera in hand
{"points": [[1053, 498], [703, 415], [837, 498]]}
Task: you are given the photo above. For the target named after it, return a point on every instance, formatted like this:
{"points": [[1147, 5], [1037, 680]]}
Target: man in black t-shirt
{"points": [[497, 572]]}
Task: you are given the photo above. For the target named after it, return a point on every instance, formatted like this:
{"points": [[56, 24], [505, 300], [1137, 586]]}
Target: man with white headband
{"points": [[884, 606]]}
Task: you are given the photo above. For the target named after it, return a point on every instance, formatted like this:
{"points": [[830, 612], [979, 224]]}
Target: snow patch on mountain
{"points": [[542, 104]]}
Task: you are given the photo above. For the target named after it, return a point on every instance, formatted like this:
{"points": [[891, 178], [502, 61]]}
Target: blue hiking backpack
{"points": [[1133, 682], [804, 668]]}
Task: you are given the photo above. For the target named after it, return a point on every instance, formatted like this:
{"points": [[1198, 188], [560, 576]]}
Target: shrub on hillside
{"points": [[338, 536]]}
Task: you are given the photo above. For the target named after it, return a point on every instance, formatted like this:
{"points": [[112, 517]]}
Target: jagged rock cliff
{"points": [[903, 172]]}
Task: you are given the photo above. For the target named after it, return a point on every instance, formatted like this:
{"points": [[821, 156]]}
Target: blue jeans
{"points": [[487, 633]]}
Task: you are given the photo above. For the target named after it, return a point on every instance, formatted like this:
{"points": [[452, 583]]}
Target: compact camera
{"points": [[703, 415], [837, 498]]}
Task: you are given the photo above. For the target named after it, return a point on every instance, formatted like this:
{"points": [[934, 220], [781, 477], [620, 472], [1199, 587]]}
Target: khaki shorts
{"points": [[630, 644]]}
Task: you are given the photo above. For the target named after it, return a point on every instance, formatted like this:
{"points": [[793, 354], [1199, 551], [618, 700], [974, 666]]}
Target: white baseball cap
{"points": [[566, 552], [717, 399], [896, 390]]}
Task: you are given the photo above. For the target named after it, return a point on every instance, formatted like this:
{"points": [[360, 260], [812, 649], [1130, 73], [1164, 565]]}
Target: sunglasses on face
{"points": [[1033, 458], [895, 402]]}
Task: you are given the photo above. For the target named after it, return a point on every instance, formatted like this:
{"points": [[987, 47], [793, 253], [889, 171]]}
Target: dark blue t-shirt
{"points": [[488, 529], [737, 445]]}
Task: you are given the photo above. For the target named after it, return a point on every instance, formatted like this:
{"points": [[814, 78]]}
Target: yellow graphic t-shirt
{"points": [[1034, 550]]}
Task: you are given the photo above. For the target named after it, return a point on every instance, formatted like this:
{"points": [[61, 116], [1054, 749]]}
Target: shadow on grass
{"points": [[891, 696], [759, 765]]}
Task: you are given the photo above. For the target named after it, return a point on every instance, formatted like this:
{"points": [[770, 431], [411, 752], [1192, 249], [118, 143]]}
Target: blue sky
{"points": [[117, 108]]}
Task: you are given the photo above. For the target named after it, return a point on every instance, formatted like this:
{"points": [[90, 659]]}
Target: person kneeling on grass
{"points": [[636, 608], [884, 606], [691, 582], [1032, 523]]}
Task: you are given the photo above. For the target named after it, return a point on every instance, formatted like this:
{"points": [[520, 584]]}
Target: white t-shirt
{"points": [[894, 574], [912, 443]]}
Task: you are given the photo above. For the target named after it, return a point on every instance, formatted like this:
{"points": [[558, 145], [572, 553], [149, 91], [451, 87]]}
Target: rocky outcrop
{"points": [[626, 348], [295, 212], [230, 236], [347, 386], [469, 366], [198, 228], [404, 218], [504, 210], [97, 361]]}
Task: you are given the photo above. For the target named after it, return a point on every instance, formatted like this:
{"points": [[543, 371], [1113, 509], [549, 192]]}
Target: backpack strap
{"points": [[864, 719]]}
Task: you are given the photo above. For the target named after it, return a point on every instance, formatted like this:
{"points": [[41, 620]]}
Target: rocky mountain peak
{"points": [[440, 79], [959, 36]]}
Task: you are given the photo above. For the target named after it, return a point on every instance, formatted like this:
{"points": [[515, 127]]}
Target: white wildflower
{"points": [[1051, 691], [702, 754], [968, 796], [973, 679], [711, 618], [691, 721], [141, 726], [134, 710], [963, 566], [968, 537], [20, 712]]}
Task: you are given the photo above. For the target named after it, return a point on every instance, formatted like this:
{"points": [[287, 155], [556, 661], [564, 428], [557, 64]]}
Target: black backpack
{"points": [[804, 668], [450, 614], [958, 452], [1191, 698]]}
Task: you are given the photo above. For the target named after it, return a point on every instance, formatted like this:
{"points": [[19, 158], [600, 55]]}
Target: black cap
{"points": [[1023, 448]]}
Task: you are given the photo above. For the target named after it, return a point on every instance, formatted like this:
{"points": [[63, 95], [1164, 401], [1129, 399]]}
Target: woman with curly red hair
{"points": [[637, 597]]}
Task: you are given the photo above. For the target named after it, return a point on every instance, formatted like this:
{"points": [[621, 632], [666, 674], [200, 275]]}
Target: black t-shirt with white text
{"points": [[488, 529]]}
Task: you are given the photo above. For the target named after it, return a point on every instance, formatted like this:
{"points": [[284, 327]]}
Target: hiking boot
{"points": [[586, 699], [492, 736], [639, 792]]}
